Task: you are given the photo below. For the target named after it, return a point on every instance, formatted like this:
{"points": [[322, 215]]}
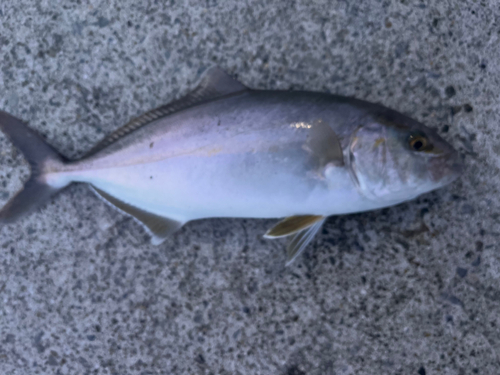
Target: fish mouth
{"points": [[447, 168]]}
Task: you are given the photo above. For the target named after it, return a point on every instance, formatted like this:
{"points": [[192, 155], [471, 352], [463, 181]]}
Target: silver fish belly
{"points": [[228, 151]]}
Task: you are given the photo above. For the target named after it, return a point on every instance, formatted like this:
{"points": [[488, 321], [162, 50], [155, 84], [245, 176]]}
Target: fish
{"points": [[225, 150]]}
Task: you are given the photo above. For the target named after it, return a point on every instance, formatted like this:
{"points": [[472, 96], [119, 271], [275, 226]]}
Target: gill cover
{"points": [[393, 162]]}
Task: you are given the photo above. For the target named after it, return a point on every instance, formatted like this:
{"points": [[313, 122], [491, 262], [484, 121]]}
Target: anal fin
{"points": [[160, 227]]}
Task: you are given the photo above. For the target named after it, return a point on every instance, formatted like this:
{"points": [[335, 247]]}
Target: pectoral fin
{"points": [[301, 228], [160, 227]]}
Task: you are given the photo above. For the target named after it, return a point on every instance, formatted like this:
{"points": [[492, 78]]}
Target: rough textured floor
{"points": [[412, 289]]}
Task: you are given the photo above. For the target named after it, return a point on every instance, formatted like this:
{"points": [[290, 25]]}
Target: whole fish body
{"points": [[229, 151]]}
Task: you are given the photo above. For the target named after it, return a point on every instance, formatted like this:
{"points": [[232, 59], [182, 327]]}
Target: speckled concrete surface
{"points": [[409, 290]]}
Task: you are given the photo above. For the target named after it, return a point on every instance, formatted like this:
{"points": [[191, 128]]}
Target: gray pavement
{"points": [[413, 289]]}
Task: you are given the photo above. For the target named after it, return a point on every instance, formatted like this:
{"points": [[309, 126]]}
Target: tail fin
{"points": [[40, 156]]}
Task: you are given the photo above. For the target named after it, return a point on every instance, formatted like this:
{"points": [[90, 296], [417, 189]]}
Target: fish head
{"points": [[394, 158]]}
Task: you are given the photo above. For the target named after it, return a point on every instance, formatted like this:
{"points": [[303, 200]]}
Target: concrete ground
{"points": [[413, 289]]}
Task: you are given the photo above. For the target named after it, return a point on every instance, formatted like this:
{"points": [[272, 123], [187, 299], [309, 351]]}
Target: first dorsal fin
{"points": [[215, 84], [160, 227]]}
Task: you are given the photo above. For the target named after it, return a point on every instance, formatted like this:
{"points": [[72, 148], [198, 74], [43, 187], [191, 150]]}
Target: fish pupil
{"points": [[417, 145]]}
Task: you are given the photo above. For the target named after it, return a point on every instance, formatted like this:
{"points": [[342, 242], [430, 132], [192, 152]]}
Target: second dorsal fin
{"points": [[214, 84]]}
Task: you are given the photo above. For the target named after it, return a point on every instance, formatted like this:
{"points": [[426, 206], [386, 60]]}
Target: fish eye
{"points": [[419, 142]]}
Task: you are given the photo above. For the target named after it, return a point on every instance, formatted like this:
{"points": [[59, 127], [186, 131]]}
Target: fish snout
{"points": [[446, 168]]}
